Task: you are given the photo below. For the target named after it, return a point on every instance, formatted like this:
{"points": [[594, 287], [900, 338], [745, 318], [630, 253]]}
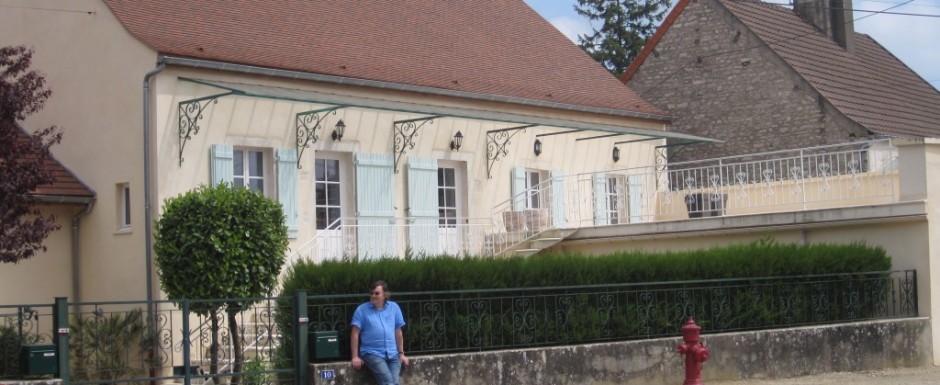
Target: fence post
{"points": [[60, 329], [187, 380], [301, 326]]}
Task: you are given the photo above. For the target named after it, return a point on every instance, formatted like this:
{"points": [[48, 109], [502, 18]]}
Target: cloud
{"points": [[571, 27]]}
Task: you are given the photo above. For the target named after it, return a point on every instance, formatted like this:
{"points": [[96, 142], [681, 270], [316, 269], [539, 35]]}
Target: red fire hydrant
{"points": [[695, 353]]}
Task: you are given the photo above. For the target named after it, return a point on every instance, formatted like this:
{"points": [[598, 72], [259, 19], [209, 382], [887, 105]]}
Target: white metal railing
{"points": [[851, 174], [381, 237]]}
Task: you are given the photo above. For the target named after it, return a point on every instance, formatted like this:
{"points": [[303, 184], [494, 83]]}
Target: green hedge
{"points": [[764, 258], [756, 259]]}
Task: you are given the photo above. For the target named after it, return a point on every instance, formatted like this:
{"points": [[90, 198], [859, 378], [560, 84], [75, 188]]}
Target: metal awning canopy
{"points": [[305, 96]]}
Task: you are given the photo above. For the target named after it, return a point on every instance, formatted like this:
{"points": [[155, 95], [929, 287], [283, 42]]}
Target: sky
{"points": [[915, 40]]}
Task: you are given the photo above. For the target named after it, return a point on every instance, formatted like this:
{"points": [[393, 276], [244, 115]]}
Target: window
{"points": [[248, 168], [534, 196], [124, 206], [328, 193], [614, 197], [447, 196]]}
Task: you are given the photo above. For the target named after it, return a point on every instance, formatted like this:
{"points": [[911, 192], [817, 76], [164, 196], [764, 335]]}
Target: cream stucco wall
{"points": [[40, 279], [270, 124], [95, 70]]}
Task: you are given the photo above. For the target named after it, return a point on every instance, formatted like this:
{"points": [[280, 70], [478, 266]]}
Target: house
{"points": [[423, 127], [381, 129], [68, 200], [762, 77]]}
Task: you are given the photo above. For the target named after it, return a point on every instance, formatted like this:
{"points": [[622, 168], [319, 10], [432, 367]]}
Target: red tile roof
{"points": [[66, 184], [869, 85], [488, 47]]}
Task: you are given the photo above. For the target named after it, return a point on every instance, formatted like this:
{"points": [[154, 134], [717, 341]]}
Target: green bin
{"points": [[324, 344], [38, 359]]}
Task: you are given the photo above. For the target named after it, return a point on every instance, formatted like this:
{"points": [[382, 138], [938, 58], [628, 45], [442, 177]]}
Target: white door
{"points": [[453, 230], [328, 187]]}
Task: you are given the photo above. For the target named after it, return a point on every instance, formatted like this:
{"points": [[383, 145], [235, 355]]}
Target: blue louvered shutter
{"points": [[635, 189], [221, 166], [600, 199], [375, 205], [518, 188], [287, 188], [558, 199], [423, 206]]}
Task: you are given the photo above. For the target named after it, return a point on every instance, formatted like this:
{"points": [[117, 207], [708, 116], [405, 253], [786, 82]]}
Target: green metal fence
{"points": [[455, 321], [122, 342]]}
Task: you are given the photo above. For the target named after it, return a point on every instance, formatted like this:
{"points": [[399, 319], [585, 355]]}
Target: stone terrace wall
{"points": [[759, 355]]}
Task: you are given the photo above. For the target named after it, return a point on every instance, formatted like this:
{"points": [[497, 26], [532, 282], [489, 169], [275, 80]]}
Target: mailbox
{"points": [[38, 359], [325, 345]]}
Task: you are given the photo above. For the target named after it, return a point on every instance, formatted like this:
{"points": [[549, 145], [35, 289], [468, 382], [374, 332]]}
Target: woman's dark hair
{"points": [[388, 294]]}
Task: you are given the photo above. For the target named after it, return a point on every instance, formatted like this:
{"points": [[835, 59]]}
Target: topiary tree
{"points": [[220, 242]]}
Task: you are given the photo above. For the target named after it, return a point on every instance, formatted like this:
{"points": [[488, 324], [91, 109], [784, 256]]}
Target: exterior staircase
{"points": [[538, 242]]}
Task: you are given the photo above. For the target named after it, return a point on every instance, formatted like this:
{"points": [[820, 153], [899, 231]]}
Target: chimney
{"points": [[832, 17]]}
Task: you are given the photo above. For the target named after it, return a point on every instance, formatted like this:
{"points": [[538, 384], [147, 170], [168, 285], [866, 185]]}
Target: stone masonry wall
{"points": [[759, 355], [718, 80]]}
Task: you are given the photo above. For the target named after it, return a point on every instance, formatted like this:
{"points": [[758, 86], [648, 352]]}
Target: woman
{"points": [[377, 325]]}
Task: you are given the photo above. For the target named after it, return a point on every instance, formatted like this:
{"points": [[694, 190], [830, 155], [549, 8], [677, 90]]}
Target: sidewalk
{"points": [[902, 376]]}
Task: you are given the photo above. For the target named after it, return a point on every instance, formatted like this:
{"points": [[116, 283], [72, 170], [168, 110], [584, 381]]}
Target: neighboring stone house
{"points": [[761, 77]]}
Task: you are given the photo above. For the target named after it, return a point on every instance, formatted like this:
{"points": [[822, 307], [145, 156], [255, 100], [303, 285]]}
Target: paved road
{"points": [[905, 376]]}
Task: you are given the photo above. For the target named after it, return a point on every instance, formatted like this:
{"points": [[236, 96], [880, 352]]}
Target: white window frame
{"points": [[534, 196], [615, 197], [339, 183], [123, 191], [460, 191], [267, 169]]}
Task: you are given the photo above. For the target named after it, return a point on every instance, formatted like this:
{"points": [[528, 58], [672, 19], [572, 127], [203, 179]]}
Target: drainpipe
{"points": [[89, 203], [148, 225], [76, 265]]}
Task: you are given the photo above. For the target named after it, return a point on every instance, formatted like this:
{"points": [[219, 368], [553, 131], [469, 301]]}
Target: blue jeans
{"points": [[385, 370]]}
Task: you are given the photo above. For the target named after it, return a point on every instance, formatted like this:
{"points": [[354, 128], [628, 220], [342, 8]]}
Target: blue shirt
{"points": [[377, 328]]}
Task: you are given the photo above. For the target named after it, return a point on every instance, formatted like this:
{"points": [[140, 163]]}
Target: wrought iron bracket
{"points": [[404, 132], [306, 124], [190, 113], [496, 142]]}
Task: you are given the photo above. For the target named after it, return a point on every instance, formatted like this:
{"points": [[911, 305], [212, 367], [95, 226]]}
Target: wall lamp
{"points": [[616, 154], [538, 147], [339, 130], [457, 142]]}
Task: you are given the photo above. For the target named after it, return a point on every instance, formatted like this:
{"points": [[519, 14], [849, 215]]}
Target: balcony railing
{"points": [[375, 238], [845, 175]]}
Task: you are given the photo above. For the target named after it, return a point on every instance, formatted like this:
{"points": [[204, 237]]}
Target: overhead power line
{"points": [[48, 9]]}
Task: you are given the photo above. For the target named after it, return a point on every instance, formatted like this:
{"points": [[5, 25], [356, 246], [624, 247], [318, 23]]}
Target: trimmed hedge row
{"points": [[764, 258]]}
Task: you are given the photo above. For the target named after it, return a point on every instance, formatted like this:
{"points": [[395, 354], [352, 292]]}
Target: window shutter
{"points": [[375, 205], [221, 168], [558, 199], [287, 188], [518, 188], [600, 199], [635, 189], [423, 206]]}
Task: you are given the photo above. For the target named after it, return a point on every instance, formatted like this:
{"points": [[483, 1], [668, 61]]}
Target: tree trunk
{"points": [[237, 353], [214, 347]]}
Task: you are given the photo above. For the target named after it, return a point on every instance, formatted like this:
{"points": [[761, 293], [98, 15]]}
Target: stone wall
{"points": [[759, 355], [718, 80]]}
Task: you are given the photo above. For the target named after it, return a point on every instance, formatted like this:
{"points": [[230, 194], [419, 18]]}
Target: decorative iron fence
{"points": [[117, 342], [22, 325], [479, 320]]}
